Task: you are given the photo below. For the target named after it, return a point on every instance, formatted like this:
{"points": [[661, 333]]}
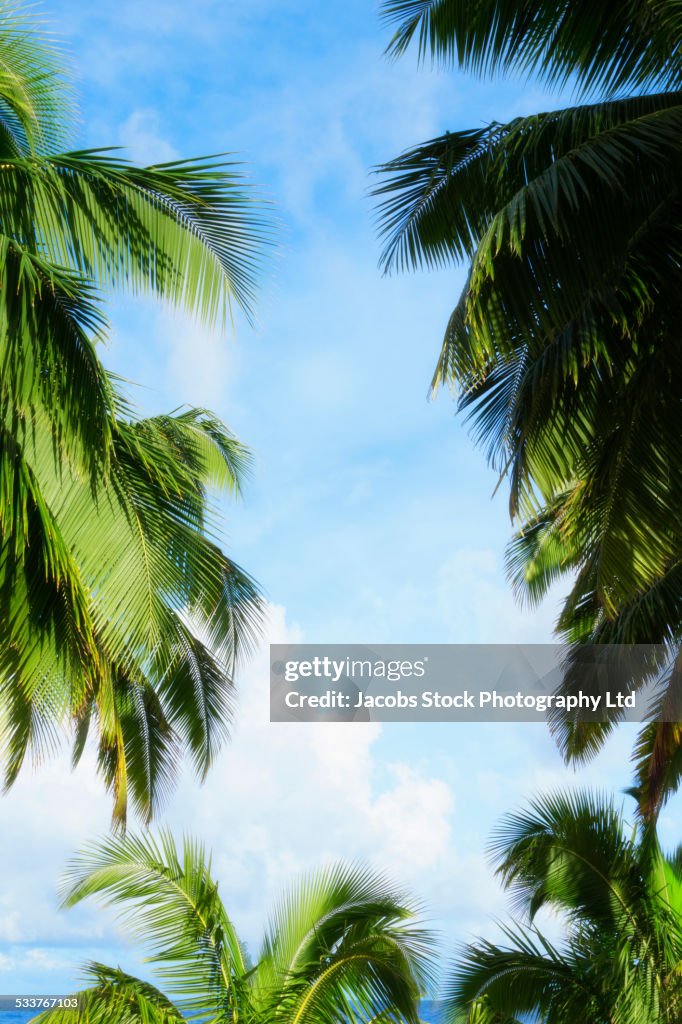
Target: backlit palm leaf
{"points": [[342, 945], [120, 616]]}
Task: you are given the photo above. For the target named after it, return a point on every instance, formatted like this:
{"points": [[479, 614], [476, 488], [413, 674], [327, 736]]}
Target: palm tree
{"points": [[564, 344], [619, 901], [117, 607], [343, 944]]}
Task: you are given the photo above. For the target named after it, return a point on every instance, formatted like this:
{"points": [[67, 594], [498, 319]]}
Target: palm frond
{"points": [[114, 997], [600, 45], [344, 934], [36, 110], [119, 610], [191, 231], [119, 613], [618, 900], [528, 979], [343, 944], [167, 897], [570, 851], [443, 194], [657, 755]]}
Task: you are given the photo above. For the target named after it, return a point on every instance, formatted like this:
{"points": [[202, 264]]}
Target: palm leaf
{"points": [[114, 997], [168, 898], [343, 944], [36, 112], [190, 231], [601, 45]]}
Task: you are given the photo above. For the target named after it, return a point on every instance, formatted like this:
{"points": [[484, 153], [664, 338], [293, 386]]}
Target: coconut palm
{"points": [[619, 902], [117, 606], [342, 945], [564, 344]]}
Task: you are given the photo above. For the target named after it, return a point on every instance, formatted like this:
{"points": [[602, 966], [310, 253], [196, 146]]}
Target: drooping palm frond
{"points": [[513, 194], [120, 610], [567, 368], [49, 328], [120, 616], [343, 938], [167, 898], [657, 755], [343, 944], [564, 345], [442, 196], [604, 46], [526, 979], [571, 851], [191, 232]]}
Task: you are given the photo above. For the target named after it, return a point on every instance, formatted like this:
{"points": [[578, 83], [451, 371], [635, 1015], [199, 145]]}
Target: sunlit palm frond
{"points": [[120, 615], [114, 997], [344, 937], [36, 110], [343, 944], [120, 611], [191, 231], [167, 897]]}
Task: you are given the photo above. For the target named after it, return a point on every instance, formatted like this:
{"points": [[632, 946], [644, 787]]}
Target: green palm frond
{"points": [[119, 607], [36, 111], [618, 899], [564, 346], [114, 997], [191, 231], [147, 617], [529, 979], [343, 944], [443, 195], [120, 616], [167, 897], [358, 934], [658, 752], [603, 46], [570, 851], [50, 325]]}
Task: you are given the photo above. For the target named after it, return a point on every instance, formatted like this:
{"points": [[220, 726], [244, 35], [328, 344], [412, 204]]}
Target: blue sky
{"points": [[368, 517]]}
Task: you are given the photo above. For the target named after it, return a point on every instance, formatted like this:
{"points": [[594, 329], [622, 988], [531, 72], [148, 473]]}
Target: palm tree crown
{"points": [[343, 945], [118, 610], [619, 900], [564, 344]]}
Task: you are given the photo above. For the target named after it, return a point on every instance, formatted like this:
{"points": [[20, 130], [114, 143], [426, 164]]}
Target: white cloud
{"points": [[417, 802], [479, 606], [203, 378], [329, 120], [142, 136], [285, 798], [412, 822]]}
